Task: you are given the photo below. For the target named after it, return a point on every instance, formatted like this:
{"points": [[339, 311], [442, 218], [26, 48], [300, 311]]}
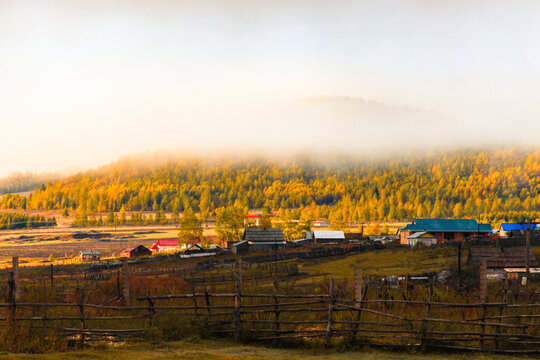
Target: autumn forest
{"points": [[489, 185]]}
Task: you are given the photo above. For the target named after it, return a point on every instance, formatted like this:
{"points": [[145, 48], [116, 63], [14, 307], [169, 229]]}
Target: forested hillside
{"points": [[19, 182], [490, 185]]}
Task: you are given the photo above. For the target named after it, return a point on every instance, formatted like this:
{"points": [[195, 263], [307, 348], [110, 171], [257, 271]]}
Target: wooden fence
{"points": [[323, 318]]}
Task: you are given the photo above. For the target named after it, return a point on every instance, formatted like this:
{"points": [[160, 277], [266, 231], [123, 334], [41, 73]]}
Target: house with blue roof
{"points": [[445, 229], [506, 228]]}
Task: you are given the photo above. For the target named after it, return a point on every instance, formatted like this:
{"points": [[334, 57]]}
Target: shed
{"points": [[507, 229], [137, 251], [423, 238], [328, 236], [167, 245], [260, 239], [89, 255], [500, 257]]}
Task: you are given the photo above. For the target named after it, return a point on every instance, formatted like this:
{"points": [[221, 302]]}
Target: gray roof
{"points": [[329, 235], [257, 235], [83, 252], [418, 234]]}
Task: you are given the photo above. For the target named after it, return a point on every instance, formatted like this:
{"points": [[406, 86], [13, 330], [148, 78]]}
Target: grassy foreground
{"points": [[224, 350]]}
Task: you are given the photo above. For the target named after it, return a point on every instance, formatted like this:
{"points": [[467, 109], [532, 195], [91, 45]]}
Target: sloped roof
{"points": [[264, 235], [420, 235], [516, 226], [496, 257], [138, 247], [167, 242], [93, 252], [441, 225], [327, 234]]}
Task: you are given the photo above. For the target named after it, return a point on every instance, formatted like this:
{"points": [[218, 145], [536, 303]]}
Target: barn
{"points": [[136, 251], [260, 240], [87, 256], [165, 245], [325, 236]]}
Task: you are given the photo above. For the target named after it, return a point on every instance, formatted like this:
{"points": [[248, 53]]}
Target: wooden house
{"points": [[87, 256], [445, 229], [137, 251], [165, 245], [422, 238], [512, 229], [260, 240]]}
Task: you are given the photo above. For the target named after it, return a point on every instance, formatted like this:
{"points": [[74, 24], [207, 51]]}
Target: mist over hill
{"points": [[490, 185]]}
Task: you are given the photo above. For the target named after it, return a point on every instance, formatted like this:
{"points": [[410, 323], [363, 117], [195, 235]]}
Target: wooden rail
{"points": [[274, 316]]}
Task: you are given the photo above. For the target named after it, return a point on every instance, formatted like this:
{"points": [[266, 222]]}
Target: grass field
{"points": [[223, 350], [383, 262]]}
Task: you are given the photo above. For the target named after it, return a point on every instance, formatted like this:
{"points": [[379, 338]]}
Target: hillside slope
{"points": [[488, 185]]}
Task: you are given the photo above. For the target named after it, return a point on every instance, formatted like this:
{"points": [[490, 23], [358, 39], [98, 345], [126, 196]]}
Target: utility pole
{"points": [[528, 227]]}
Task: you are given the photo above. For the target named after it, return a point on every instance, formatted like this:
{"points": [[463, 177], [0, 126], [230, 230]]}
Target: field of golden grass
{"points": [[224, 350]]}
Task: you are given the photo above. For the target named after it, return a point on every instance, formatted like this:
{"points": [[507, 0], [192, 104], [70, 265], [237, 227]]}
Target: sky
{"points": [[85, 82]]}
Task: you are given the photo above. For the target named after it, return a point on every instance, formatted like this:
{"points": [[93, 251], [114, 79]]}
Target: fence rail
{"points": [[273, 316]]}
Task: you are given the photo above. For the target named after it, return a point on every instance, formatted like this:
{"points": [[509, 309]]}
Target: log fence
{"points": [[325, 318]]}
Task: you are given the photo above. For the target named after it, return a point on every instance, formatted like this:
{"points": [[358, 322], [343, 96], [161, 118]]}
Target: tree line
{"points": [[13, 221], [19, 182], [489, 185]]}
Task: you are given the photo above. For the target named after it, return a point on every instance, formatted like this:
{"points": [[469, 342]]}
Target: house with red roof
{"points": [[165, 245]]}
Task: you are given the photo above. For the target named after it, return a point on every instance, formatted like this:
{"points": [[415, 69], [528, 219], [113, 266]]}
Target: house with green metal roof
{"points": [[445, 229]]}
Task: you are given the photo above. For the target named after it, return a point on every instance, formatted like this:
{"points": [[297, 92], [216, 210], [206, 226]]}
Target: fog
{"points": [[85, 82]]}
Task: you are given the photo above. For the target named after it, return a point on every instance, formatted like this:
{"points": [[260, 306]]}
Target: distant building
{"points": [[506, 229], [260, 240], [91, 255], [165, 245], [383, 239], [325, 237], [137, 251], [445, 229], [422, 238]]}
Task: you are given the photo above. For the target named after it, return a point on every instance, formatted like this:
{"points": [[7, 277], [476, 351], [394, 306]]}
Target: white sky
{"points": [[83, 82]]}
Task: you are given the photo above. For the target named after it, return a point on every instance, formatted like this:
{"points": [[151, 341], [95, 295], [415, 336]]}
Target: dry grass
{"points": [[224, 350]]}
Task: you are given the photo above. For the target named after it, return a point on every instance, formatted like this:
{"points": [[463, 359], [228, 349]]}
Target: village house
{"points": [[325, 237], [165, 245], [507, 229], [87, 256], [421, 238], [136, 251], [258, 239], [445, 229]]}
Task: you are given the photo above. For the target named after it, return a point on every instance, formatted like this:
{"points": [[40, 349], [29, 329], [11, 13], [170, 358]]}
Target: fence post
{"points": [[81, 312], [483, 326], [425, 323], [276, 308], [195, 303], [238, 299], [360, 296], [15, 265], [151, 310], [207, 300], [483, 279], [52, 276], [330, 315], [11, 297], [501, 310], [125, 280], [44, 309]]}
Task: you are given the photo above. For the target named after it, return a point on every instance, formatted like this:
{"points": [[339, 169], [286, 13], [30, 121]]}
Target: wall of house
{"points": [[403, 237]]}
